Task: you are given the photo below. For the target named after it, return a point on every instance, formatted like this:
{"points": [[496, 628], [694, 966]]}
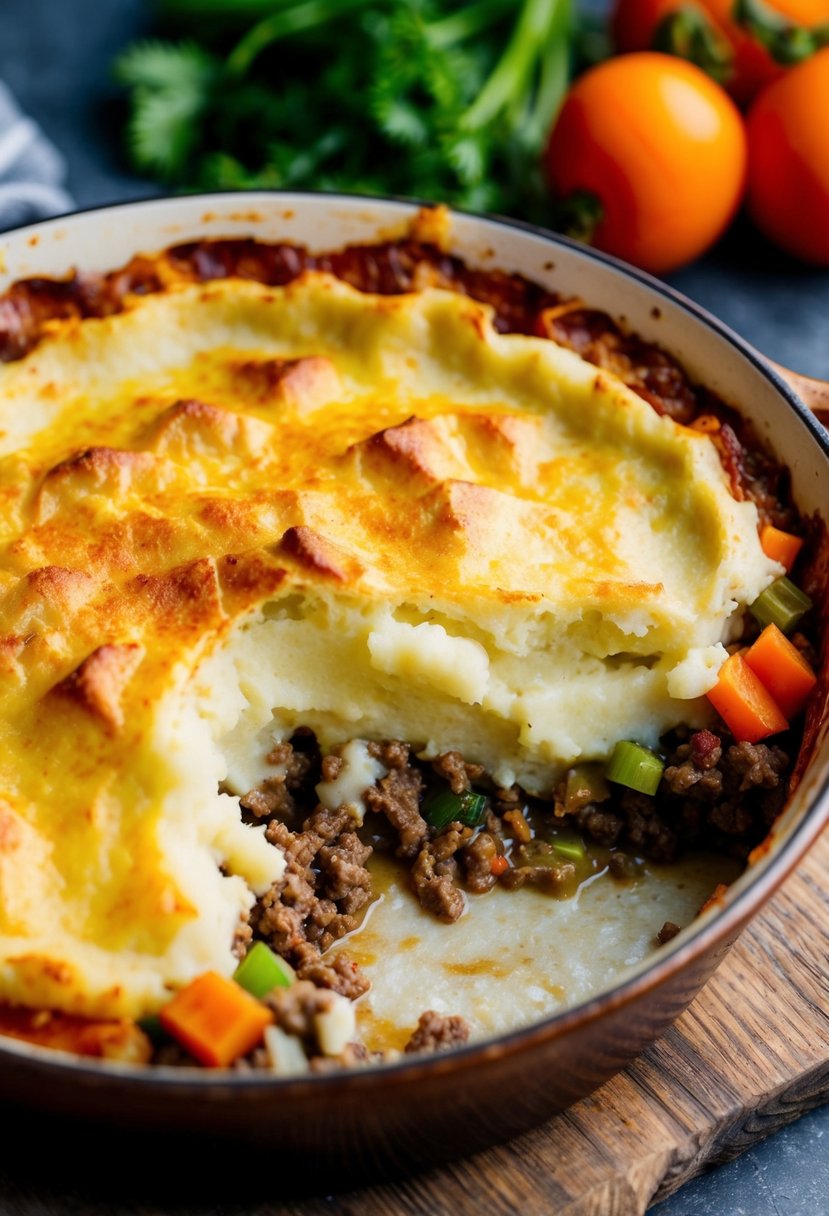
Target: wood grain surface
{"points": [[751, 1054]]}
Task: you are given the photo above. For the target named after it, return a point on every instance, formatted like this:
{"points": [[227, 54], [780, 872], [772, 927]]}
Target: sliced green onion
{"points": [[443, 807], [782, 604], [571, 848], [634, 766], [585, 783], [260, 971]]}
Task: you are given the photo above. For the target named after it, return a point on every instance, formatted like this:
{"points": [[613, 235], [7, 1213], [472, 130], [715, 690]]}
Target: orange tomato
{"points": [[661, 147], [634, 24], [788, 184]]}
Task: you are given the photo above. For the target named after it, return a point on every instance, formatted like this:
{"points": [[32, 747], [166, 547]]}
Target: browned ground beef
{"points": [[397, 796], [295, 1009], [454, 769], [599, 822], [537, 865], [243, 937], [319, 898], [274, 795], [646, 828], [340, 973], [477, 857], [724, 797], [714, 793], [435, 1033], [435, 873]]}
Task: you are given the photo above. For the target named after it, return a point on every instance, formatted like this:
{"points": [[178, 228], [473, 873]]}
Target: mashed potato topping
{"points": [[234, 509]]}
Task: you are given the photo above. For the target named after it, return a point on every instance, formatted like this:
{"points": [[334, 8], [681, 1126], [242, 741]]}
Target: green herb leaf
{"points": [[162, 131], [172, 87], [431, 98], [152, 64]]}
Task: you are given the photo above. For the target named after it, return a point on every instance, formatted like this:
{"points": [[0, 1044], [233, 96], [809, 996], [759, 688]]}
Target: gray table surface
{"points": [[54, 54]]}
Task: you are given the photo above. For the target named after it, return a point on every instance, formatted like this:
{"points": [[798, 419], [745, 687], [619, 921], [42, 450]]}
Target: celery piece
{"points": [[570, 848], [782, 604], [260, 971], [634, 766]]}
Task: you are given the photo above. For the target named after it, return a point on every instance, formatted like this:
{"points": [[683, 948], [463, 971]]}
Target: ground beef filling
{"points": [[714, 793], [436, 1033], [722, 796]]}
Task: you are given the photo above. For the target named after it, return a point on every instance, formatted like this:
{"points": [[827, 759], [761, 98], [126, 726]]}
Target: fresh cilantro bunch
{"points": [[436, 99]]}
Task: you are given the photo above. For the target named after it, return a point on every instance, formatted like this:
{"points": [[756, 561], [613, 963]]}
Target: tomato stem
{"points": [[688, 33], [786, 42]]}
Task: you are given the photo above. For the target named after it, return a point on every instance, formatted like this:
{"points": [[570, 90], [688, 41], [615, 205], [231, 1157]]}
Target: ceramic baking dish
{"points": [[407, 1114]]}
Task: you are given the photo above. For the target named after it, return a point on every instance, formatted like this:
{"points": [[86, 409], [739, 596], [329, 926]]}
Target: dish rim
{"points": [[721, 925]]}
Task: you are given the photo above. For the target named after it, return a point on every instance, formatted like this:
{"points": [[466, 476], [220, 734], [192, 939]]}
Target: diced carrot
{"points": [[780, 546], [215, 1019], [499, 865], [781, 667], [744, 703]]}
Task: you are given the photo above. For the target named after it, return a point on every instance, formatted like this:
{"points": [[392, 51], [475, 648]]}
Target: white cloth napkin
{"points": [[32, 170]]}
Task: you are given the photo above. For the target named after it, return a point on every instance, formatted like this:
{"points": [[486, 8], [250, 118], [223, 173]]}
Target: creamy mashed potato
{"points": [[234, 509]]}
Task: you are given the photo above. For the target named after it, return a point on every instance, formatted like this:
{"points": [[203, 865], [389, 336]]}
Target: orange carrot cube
{"points": [[780, 546], [780, 666], [215, 1020], [744, 703]]}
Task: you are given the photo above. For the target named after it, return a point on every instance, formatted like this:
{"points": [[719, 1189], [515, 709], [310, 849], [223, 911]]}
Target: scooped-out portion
{"points": [[504, 965]]}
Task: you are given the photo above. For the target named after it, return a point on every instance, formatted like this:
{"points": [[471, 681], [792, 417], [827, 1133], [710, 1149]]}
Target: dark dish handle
{"points": [[814, 393]]}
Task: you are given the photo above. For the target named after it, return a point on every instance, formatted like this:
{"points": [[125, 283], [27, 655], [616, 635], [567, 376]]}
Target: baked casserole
{"points": [[326, 575]]}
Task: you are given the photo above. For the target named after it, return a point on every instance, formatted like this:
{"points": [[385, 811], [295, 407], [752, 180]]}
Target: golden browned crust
{"points": [[97, 685], [318, 555]]}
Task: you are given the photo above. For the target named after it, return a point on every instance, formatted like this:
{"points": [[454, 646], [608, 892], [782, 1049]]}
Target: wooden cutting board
{"points": [[751, 1054]]}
